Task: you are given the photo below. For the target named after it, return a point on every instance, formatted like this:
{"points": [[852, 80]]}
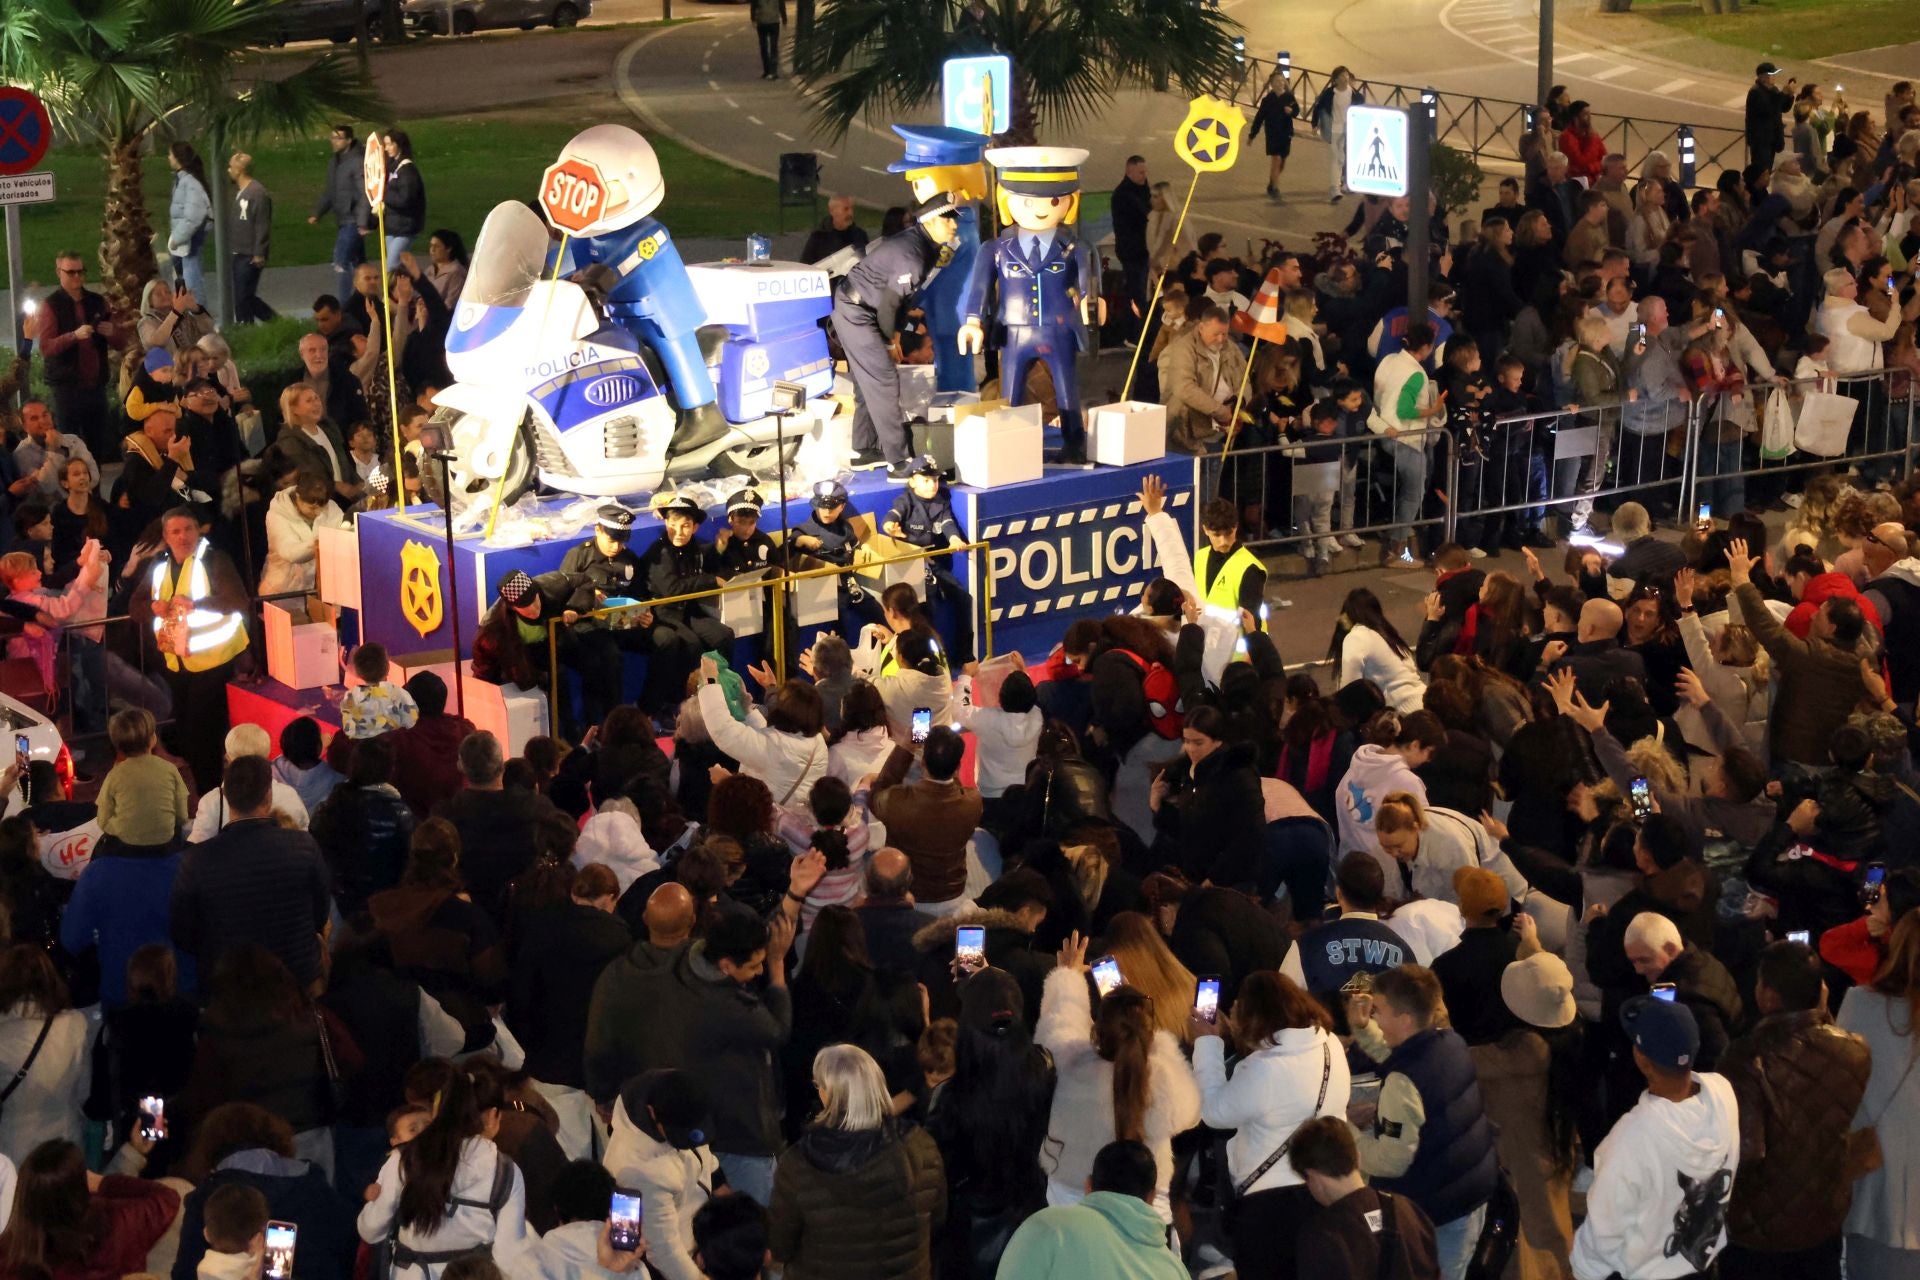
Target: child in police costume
{"points": [[679, 563], [829, 534], [600, 567], [922, 516], [743, 547], [866, 313], [943, 160], [1045, 291]]}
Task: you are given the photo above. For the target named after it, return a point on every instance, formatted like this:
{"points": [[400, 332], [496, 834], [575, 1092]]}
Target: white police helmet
{"points": [[631, 170]]}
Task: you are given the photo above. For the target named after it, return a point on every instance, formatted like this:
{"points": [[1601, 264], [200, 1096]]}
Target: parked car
{"points": [[323, 19], [463, 17]]}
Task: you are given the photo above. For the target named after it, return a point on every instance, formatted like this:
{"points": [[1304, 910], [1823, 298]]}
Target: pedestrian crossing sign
{"points": [[1209, 138], [1377, 151]]}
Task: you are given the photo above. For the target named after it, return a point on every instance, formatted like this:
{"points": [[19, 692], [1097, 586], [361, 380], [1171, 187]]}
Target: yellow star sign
{"points": [[1209, 138]]}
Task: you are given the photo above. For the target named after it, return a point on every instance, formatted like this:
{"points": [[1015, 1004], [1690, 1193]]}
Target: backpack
{"points": [[1162, 691]]}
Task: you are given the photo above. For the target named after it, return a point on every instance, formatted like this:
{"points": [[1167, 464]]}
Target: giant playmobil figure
{"points": [[1046, 291], [940, 159], [653, 297]]}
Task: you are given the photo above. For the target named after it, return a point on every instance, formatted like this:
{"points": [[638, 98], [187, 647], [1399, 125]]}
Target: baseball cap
{"points": [[1766, 69], [1665, 1031], [678, 1103], [157, 358], [1481, 893]]}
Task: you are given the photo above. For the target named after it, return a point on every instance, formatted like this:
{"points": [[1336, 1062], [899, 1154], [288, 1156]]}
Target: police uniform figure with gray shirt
{"points": [[829, 535], [866, 311], [922, 516], [601, 567]]}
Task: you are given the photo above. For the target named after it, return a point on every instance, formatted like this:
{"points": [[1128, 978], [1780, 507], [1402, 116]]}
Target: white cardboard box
{"points": [[1128, 431], [999, 447], [510, 714], [300, 654], [941, 407], [338, 552]]}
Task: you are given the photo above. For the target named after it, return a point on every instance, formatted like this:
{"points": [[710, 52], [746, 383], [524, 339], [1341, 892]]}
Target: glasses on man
{"points": [[73, 271]]}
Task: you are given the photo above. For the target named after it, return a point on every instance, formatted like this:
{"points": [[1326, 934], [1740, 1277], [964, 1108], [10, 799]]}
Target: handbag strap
{"points": [[26, 1066], [1389, 1236], [326, 1048], [1326, 1071], [800, 777]]}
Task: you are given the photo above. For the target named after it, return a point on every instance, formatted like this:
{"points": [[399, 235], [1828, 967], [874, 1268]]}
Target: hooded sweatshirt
{"points": [[1107, 1236], [1374, 774], [1662, 1181], [673, 1183]]}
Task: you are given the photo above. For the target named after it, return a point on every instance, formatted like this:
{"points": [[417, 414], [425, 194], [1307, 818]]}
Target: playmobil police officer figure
{"points": [[866, 310], [922, 516], [652, 296], [1045, 292], [940, 159], [677, 564], [829, 534]]}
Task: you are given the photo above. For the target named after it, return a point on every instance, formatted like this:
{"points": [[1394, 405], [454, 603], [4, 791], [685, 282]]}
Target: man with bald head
{"points": [[1893, 589], [669, 916], [1596, 658], [886, 911]]}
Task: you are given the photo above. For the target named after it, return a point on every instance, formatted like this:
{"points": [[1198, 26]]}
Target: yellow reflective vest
{"points": [[1225, 591], [194, 634]]}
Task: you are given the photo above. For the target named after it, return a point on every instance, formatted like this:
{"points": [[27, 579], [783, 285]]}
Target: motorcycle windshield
{"points": [[509, 258]]}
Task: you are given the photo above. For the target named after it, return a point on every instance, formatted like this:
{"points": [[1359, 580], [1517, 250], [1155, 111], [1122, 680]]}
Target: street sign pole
{"points": [[26, 131], [1543, 84], [14, 299], [1419, 184], [217, 197]]}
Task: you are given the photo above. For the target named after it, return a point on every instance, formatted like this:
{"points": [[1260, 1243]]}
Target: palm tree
{"points": [[121, 74], [882, 58]]}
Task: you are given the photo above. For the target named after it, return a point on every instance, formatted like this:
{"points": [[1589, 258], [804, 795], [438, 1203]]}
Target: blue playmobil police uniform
{"points": [[929, 522], [834, 541], [655, 297], [944, 297], [866, 309], [1041, 282]]}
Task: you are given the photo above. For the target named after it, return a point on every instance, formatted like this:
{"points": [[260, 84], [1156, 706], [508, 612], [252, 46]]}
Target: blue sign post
{"points": [[976, 93]]}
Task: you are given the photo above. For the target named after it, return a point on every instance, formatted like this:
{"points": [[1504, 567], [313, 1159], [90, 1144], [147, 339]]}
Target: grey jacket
{"points": [[342, 195], [252, 223]]}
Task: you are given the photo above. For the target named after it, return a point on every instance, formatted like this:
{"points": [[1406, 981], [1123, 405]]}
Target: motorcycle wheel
{"points": [[762, 462], [467, 487]]}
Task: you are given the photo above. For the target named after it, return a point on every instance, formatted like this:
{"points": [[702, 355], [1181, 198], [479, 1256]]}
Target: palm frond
{"points": [[330, 88]]}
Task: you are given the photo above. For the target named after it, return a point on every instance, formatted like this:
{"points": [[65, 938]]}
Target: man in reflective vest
{"points": [[1228, 575], [200, 610]]}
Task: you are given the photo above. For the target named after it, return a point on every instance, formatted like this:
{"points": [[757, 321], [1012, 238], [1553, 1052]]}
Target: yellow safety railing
{"points": [[780, 586]]}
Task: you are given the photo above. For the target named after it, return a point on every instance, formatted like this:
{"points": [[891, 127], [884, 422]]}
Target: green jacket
{"points": [[1107, 1236]]}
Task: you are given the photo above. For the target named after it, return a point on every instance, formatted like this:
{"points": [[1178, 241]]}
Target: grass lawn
{"points": [[470, 163], [1796, 28]]}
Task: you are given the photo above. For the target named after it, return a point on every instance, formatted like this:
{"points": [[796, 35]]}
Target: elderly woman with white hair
{"points": [[861, 1193], [214, 814]]}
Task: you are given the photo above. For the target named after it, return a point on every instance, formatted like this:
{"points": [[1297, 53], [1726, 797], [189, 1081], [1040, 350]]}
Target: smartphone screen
{"points": [[623, 1220], [1636, 334], [1705, 514], [280, 1240], [1642, 796], [1206, 998], [1106, 974], [22, 752], [970, 946], [1663, 991], [153, 1119], [1876, 875], [1802, 936], [922, 723]]}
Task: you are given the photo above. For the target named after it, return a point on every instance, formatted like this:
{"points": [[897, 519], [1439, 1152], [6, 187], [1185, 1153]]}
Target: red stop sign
{"points": [[373, 172], [573, 193]]}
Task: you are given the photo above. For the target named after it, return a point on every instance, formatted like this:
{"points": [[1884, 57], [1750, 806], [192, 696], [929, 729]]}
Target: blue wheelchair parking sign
{"points": [[964, 87]]}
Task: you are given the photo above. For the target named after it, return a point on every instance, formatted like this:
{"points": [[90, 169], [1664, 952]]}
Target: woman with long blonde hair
{"points": [[1151, 969]]}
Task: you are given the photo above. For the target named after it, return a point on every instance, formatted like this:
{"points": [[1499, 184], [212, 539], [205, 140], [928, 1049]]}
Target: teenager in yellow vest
{"points": [[1227, 574]]}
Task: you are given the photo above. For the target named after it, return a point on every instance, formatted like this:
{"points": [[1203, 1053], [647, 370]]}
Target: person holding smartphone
{"points": [[1290, 1069], [599, 1233]]}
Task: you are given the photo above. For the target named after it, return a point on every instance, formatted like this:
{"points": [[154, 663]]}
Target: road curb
{"points": [[635, 102]]}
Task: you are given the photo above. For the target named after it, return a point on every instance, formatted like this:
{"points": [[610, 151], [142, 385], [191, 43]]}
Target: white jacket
{"points": [[47, 1103], [1082, 1119], [1373, 774], [1006, 742], [672, 1183], [1661, 1182], [788, 763], [466, 1227], [1271, 1094], [904, 690], [612, 837], [857, 755], [1366, 655], [569, 1252], [1429, 926], [1453, 840], [213, 815], [291, 564]]}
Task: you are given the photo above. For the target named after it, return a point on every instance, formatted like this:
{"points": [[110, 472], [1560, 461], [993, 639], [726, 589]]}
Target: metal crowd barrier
{"points": [[774, 621], [1492, 128]]}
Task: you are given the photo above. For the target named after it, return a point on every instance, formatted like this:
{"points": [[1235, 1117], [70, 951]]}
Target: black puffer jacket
{"points": [[858, 1203], [364, 834], [1214, 818]]}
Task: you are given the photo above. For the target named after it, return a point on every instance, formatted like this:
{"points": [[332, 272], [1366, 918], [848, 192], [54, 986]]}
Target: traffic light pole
{"points": [[1419, 219]]}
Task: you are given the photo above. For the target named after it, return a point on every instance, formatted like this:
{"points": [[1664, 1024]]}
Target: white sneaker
{"points": [[1406, 556], [1476, 553], [1793, 500], [1329, 548], [1352, 541]]}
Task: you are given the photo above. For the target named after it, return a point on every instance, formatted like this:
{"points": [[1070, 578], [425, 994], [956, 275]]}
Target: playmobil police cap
{"points": [[935, 146], [628, 167], [1038, 171], [744, 502]]}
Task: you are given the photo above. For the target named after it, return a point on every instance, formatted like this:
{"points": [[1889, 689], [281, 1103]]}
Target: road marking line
{"points": [[829, 155], [1611, 73], [1559, 57], [730, 102], [1740, 101], [784, 137], [870, 169], [1672, 86], [753, 119], [714, 85]]}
